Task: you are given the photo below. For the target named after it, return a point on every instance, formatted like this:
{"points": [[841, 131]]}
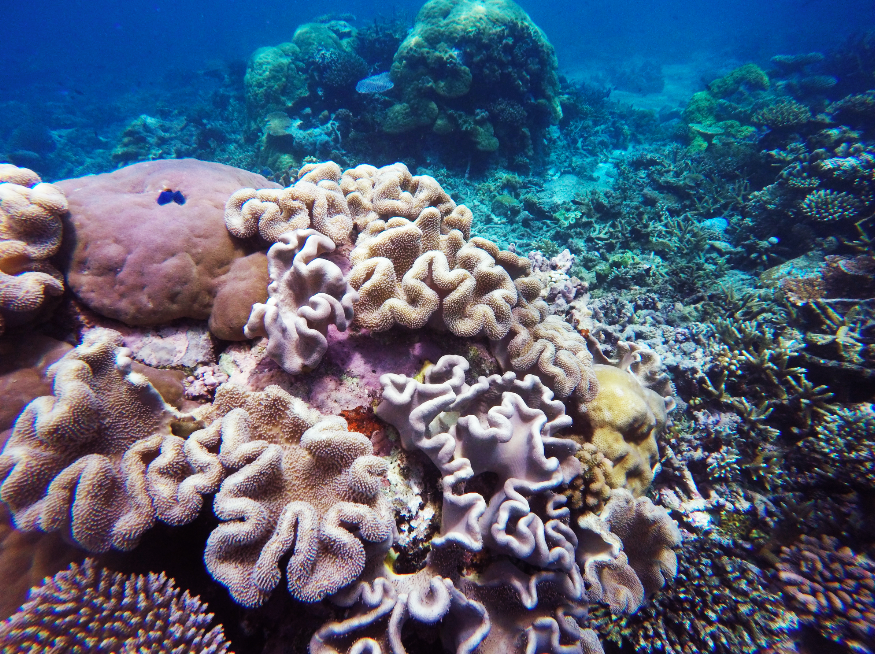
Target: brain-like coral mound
{"points": [[30, 233], [98, 460], [307, 294], [144, 263], [300, 485], [480, 68], [90, 609], [623, 421]]}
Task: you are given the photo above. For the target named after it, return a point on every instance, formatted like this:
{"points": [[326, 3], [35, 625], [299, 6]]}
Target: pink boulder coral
{"points": [[144, 263]]}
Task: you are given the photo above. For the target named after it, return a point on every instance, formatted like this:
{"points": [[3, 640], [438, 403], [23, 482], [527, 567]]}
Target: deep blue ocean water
{"points": [[79, 43]]}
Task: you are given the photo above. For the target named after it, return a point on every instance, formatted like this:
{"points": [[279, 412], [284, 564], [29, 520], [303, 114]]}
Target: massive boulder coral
{"points": [[131, 258], [300, 485], [480, 68], [91, 609], [99, 460], [30, 233], [307, 294], [627, 414]]}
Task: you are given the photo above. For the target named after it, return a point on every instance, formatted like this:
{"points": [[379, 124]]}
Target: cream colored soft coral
{"points": [[98, 460], [315, 201], [30, 233], [301, 486]]}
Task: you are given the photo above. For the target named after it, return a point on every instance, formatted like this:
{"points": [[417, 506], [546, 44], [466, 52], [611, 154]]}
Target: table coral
{"points": [[131, 259], [86, 608], [98, 460], [300, 484], [30, 233], [306, 295]]}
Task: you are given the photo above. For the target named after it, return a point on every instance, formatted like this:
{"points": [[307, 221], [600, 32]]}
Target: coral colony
{"points": [[624, 405]]}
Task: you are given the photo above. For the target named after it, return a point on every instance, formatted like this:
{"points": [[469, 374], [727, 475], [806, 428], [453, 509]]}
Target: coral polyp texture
{"points": [[98, 460], [298, 485], [415, 265], [831, 587], [30, 233], [503, 465], [315, 201], [90, 609], [306, 295]]}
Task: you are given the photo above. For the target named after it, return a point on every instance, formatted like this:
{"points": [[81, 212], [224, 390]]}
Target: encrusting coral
{"points": [[99, 459], [301, 485], [30, 233], [90, 609], [306, 295]]}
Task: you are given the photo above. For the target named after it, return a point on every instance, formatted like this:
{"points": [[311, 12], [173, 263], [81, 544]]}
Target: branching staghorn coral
{"points": [[306, 295], [301, 485], [30, 233], [718, 603], [831, 587], [100, 459], [90, 609]]}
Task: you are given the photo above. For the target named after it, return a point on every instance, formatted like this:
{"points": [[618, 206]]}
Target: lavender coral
{"points": [[307, 294], [91, 609], [539, 571]]}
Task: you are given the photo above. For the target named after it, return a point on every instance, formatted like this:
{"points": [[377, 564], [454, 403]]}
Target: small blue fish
{"points": [[375, 84], [167, 196]]}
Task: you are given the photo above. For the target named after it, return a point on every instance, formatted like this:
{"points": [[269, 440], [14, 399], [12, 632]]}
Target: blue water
{"points": [[135, 41]]}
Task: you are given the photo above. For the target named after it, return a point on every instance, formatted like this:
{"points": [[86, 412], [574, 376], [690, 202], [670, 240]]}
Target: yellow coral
{"points": [[624, 420]]}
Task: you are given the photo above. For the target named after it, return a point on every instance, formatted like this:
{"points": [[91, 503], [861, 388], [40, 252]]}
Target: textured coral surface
{"points": [[144, 263]]}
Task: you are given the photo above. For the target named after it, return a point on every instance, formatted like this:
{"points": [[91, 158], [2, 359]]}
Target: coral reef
{"points": [[831, 587], [87, 608], [719, 603], [481, 69], [30, 233], [299, 484]]}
